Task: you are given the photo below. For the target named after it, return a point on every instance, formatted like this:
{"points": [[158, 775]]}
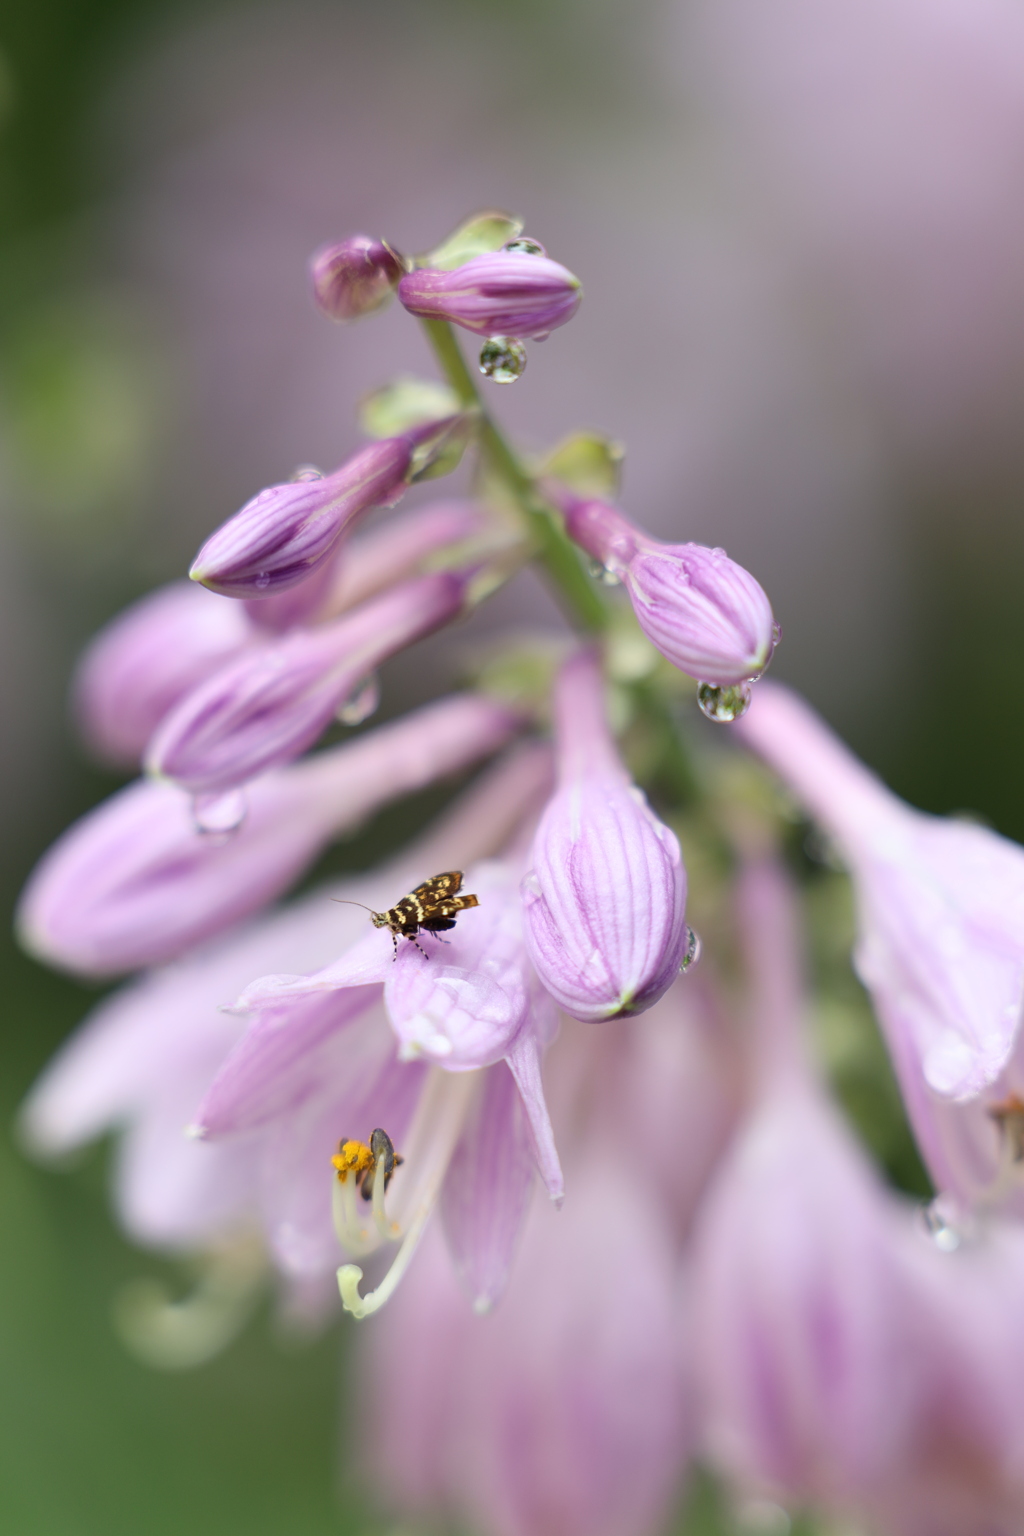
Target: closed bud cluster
{"points": [[354, 277], [504, 293], [705, 613]]}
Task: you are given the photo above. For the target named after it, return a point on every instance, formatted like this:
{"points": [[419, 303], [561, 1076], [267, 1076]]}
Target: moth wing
{"points": [[455, 904], [438, 887]]}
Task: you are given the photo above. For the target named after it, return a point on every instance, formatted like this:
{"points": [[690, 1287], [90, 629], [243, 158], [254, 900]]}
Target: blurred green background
{"points": [[102, 402]]}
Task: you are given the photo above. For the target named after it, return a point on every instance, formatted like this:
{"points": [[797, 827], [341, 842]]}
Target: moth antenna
{"points": [[344, 902]]}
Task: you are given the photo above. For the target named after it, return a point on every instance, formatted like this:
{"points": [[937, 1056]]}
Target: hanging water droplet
{"points": [[607, 575], [219, 814], [361, 702], [524, 246], [530, 887], [776, 634], [723, 704], [307, 472], [939, 1227], [692, 952], [502, 359], [262, 581]]}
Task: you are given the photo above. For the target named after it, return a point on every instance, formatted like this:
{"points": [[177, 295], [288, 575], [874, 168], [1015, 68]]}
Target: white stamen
{"points": [[177, 1334], [354, 1232], [388, 1230], [437, 1124]]}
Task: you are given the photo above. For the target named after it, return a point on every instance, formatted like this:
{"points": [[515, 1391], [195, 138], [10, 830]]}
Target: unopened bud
{"points": [[506, 293], [354, 277], [283, 535], [705, 613]]}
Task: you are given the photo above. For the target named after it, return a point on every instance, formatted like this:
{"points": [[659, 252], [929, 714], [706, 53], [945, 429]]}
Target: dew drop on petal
{"points": [[776, 634], [361, 702], [607, 575], [218, 815], [307, 472], [524, 246], [939, 1227], [692, 952], [502, 359], [723, 704], [262, 581]]}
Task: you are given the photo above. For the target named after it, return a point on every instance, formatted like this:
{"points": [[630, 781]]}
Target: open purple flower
{"points": [[605, 896], [502, 293], [145, 1058], [136, 882], [704, 612], [267, 707]]}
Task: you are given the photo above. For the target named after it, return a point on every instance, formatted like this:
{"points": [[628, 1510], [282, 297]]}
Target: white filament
{"points": [[433, 1135]]}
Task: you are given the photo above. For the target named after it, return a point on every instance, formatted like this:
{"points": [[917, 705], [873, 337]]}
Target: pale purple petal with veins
{"points": [[135, 883], [704, 612], [940, 908], [496, 294], [605, 898], [487, 1189], [149, 657], [270, 705]]}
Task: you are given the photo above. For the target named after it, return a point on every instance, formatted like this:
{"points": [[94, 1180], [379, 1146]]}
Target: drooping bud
{"points": [[283, 535], [354, 277], [505, 293], [606, 897], [146, 659], [135, 882], [704, 612], [269, 706]]}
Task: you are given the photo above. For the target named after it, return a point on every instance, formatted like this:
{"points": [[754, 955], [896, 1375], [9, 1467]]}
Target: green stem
{"points": [[583, 603]]}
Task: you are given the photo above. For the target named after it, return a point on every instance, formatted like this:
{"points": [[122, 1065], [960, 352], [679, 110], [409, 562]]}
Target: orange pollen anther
{"points": [[352, 1157], [1008, 1115]]}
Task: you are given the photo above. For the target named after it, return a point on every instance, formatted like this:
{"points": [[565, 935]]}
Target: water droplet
{"points": [[723, 704], [220, 814], [524, 246], [530, 886], [939, 1227], [502, 359], [262, 581], [607, 575], [692, 952], [361, 702], [776, 634], [307, 472]]}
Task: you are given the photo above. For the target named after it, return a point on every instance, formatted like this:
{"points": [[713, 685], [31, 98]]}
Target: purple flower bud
{"points": [[354, 277], [145, 660], [606, 897], [283, 535], [704, 612], [135, 883], [267, 707], [501, 293]]}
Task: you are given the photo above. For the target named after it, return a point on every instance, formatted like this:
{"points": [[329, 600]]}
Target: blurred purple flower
{"points": [[563, 1414], [704, 612], [135, 882], [940, 907], [146, 659], [499, 293], [605, 897], [267, 707], [354, 277]]}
